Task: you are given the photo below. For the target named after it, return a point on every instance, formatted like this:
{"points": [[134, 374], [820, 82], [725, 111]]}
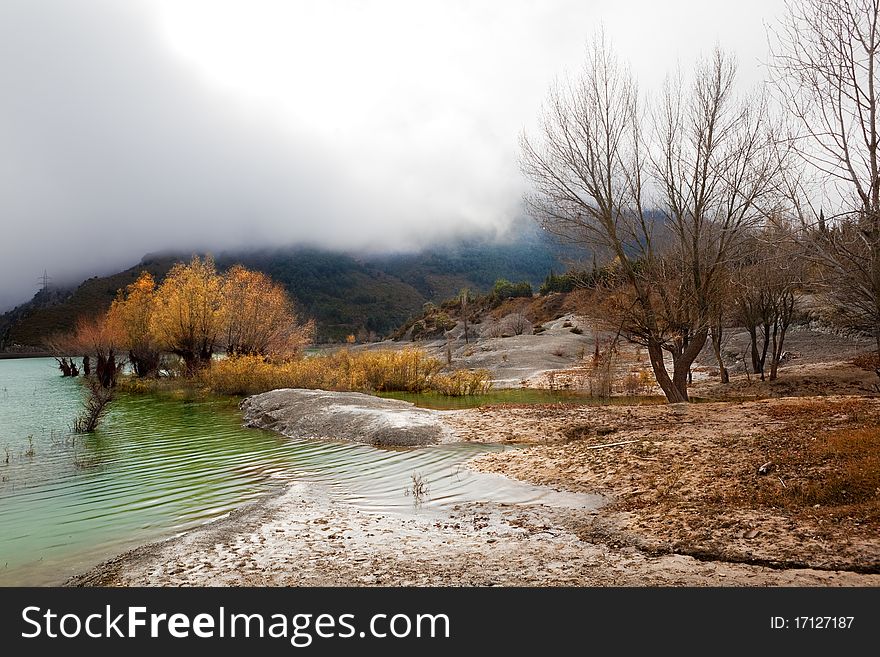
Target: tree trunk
{"points": [[675, 388], [190, 361], [106, 370], [777, 351], [753, 341], [144, 361], [717, 333], [681, 373], [672, 392], [765, 331], [205, 356], [63, 366]]}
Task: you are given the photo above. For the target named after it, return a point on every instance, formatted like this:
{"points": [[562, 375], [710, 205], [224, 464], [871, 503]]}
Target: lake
{"points": [[159, 465]]}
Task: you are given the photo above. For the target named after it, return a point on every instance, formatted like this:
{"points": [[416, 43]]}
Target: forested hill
{"points": [[344, 293]]}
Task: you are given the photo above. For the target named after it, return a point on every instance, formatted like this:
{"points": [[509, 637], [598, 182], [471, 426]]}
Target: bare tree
{"points": [[711, 167], [826, 55], [517, 324], [765, 285], [719, 319], [464, 296]]}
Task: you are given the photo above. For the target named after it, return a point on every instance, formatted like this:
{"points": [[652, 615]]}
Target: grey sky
{"points": [[129, 127]]}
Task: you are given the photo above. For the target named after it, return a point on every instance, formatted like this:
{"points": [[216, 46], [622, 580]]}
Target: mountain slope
{"points": [[345, 293], [54, 310]]}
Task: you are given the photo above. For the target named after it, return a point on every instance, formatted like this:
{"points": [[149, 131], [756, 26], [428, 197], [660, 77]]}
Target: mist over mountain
{"points": [[345, 292]]}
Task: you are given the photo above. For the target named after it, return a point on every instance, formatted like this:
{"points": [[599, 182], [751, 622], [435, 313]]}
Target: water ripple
{"points": [[158, 466]]}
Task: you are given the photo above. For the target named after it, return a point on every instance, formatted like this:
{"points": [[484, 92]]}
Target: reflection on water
{"points": [[159, 465]]}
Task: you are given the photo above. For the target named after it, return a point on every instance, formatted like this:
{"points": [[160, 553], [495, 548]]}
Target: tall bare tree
{"points": [[710, 167], [826, 58], [766, 284]]}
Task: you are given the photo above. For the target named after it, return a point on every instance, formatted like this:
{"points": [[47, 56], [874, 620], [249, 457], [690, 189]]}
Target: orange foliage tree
{"points": [[129, 315], [101, 338], [196, 311], [188, 313], [259, 316]]}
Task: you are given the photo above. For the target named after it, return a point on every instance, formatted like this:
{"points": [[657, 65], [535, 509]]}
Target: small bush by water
{"points": [[418, 489], [95, 408]]}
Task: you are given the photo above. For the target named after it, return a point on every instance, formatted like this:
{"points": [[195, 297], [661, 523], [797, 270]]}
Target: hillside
{"points": [[345, 293], [54, 310]]}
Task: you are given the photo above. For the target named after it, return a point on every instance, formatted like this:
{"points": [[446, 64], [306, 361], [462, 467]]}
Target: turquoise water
{"points": [[159, 465]]}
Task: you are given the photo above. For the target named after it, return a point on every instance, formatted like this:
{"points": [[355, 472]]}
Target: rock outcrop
{"points": [[350, 416]]}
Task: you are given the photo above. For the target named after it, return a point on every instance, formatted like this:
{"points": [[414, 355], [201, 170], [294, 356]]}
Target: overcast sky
{"points": [[145, 125]]}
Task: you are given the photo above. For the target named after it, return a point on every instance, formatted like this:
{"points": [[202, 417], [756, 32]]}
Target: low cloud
{"points": [[143, 126]]}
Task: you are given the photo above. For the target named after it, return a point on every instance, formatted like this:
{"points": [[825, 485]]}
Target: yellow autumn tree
{"points": [[188, 314], [129, 315], [260, 320]]}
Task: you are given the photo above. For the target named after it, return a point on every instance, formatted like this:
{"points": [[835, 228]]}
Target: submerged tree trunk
{"points": [[67, 366], [145, 362], [107, 369]]}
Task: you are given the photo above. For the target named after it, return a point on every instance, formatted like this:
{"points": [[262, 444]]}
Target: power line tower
{"points": [[44, 280]]}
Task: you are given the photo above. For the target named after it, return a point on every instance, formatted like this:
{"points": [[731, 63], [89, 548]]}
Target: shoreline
{"points": [[24, 354], [302, 536]]}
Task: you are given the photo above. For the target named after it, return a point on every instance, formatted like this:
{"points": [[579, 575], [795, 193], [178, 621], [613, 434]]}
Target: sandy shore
{"points": [[303, 538], [672, 517], [687, 504]]}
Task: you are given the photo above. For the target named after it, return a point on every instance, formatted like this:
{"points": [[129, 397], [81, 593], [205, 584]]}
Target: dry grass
{"points": [[461, 383], [848, 465], [828, 456], [869, 361], [690, 483], [407, 370]]}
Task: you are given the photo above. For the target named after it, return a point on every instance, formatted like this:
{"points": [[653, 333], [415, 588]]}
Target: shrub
{"points": [[385, 370], [504, 289], [577, 278], [95, 407], [516, 324], [636, 382], [492, 330], [462, 382]]}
